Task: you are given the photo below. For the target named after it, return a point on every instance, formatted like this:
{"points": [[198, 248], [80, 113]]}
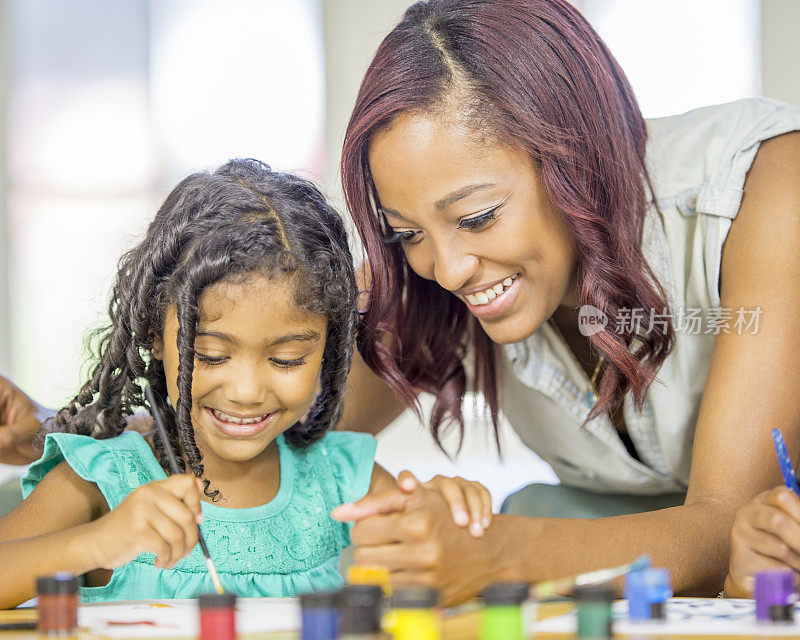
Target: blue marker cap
{"points": [[789, 476], [647, 591]]}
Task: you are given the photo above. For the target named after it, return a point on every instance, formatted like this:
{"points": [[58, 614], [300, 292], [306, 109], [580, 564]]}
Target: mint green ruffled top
{"points": [[283, 548]]}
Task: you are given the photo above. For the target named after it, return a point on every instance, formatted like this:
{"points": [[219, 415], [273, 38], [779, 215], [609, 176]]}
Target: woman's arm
{"points": [[369, 403], [752, 386]]}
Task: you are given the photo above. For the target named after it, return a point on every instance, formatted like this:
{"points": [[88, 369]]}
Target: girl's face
{"points": [[474, 217], [257, 362]]}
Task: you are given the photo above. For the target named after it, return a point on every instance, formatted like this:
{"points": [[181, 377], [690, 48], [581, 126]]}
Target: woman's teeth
{"points": [[485, 297], [224, 417]]}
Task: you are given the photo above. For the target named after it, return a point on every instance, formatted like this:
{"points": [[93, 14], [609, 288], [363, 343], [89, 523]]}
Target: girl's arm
{"points": [[62, 526], [47, 533], [752, 386]]}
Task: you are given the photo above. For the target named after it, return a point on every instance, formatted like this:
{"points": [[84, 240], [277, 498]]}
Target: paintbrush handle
{"points": [[162, 431]]}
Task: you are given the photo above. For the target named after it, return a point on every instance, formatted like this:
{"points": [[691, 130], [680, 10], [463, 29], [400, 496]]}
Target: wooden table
{"points": [[460, 627]]}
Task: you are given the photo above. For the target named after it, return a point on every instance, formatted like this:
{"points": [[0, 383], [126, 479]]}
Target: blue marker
{"points": [[789, 476]]}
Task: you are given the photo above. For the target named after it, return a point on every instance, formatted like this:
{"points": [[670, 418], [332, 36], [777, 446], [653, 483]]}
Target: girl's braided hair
{"points": [[240, 220]]}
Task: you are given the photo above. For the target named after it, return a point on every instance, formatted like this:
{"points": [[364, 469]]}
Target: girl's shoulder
{"points": [[345, 458], [116, 465]]}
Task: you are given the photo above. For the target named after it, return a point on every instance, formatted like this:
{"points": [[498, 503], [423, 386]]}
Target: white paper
{"points": [[686, 616], [168, 618]]}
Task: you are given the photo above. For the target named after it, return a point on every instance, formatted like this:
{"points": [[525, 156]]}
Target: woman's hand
{"points": [[765, 535], [413, 534], [160, 517], [20, 419], [470, 502]]}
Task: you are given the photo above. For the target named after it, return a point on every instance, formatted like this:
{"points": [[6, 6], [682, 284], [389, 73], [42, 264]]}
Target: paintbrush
{"points": [[173, 462], [564, 586]]}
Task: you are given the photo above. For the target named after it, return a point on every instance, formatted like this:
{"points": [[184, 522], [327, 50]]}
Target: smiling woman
{"points": [[501, 178]]}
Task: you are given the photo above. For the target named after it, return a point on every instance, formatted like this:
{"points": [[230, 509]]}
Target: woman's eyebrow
{"points": [[463, 192], [449, 199]]}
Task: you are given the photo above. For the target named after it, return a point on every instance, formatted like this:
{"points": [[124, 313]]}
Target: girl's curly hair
{"points": [[241, 219]]}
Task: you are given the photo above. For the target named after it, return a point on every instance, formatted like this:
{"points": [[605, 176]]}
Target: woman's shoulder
{"points": [[701, 146]]}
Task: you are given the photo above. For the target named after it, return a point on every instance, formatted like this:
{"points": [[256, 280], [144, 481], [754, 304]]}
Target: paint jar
{"points": [[320, 615], [370, 574], [647, 591], [503, 617], [217, 616], [593, 603], [362, 608], [414, 614], [58, 604], [775, 594]]}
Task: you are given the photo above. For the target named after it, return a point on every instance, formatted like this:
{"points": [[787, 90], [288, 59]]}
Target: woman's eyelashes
{"points": [[480, 221], [281, 363], [475, 223]]}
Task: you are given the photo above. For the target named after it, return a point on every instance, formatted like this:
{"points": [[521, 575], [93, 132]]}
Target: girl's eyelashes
{"points": [[480, 221], [281, 363], [288, 364], [210, 360]]}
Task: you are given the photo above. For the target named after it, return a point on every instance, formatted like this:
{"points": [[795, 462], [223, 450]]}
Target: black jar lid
{"points": [[225, 600], [60, 583], [415, 598], [594, 593], [362, 606], [320, 600], [505, 594]]}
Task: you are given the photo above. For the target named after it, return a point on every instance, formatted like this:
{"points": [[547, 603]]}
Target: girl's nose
{"points": [[247, 386]]}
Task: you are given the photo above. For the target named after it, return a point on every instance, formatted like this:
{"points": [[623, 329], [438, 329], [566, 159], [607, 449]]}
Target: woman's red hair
{"points": [[534, 74]]}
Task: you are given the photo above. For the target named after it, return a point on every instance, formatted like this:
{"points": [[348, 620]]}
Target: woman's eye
{"points": [[288, 364], [408, 236], [210, 360], [480, 221]]}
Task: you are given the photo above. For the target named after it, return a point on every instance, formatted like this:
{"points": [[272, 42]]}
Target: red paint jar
{"points": [[58, 604], [217, 616]]}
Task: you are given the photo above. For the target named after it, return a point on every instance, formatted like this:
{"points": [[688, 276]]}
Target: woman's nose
{"points": [[454, 264]]}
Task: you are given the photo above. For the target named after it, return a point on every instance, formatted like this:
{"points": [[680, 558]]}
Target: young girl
{"points": [[765, 536], [239, 309]]}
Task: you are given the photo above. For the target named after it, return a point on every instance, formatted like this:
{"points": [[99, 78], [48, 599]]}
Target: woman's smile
{"points": [[495, 300]]}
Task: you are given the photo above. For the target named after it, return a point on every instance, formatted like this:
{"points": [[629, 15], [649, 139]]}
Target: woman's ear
{"points": [[158, 348]]}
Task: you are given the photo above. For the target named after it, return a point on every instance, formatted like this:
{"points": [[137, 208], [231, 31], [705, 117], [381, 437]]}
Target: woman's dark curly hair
{"points": [[240, 220]]}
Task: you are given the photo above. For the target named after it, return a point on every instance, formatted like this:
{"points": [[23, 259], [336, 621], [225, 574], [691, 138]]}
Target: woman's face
{"points": [[474, 217]]}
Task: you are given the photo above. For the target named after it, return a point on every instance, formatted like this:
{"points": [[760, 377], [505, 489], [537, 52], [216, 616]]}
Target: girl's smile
{"points": [[241, 426]]}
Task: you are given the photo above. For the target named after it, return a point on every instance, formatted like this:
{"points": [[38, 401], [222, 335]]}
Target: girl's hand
{"points": [[470, 502], [765, 535], [160, 517]]}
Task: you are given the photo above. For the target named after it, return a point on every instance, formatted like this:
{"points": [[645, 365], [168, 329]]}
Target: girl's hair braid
{"points": [[241, 220]]}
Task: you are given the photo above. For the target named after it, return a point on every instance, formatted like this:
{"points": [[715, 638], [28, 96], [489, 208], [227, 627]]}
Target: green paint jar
{"points": [[503, 617], [593, 603]]}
